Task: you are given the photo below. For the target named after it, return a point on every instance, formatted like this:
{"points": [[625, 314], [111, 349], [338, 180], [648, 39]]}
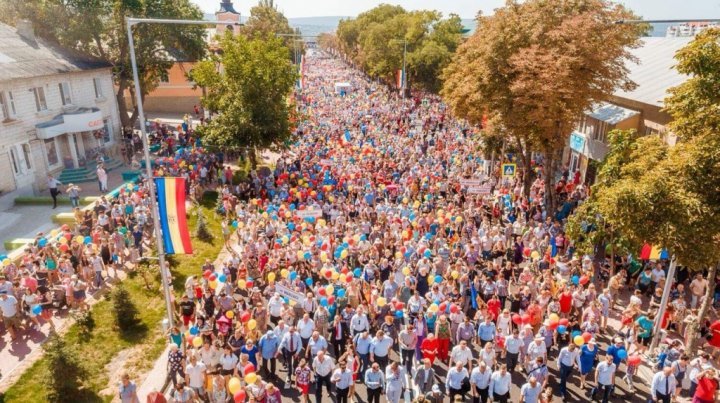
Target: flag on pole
{"points": [[173, 223], [400, 78]]}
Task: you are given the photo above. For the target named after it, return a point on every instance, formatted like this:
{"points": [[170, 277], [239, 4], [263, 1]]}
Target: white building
{"points": [[57, 110]]}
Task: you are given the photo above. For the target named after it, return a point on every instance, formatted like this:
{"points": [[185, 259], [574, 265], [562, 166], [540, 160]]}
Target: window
{"points": [[40, 101], [7, 105], [98, 88], [26, 155], [65, 94], [14, 159], [51, 151], [107, 131]]}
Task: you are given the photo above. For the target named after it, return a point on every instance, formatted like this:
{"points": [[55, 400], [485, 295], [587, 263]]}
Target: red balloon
{"points": [[245, 316], [525, 319], [442, 307], [249, 368], [584, 279], [554, 324], [563, 322], [331, 300], [526, 252], [399, 306], [249, 284], [322, 292], [68, 236], [207, 273], [324, 247], [587, 336], [328, 274], [212, 277], [239, 396], [64, 247], [517, 319], [634, 359], [454, 308]]}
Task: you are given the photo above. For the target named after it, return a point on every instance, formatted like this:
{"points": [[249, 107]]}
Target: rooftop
{"points": [[610, 113], [655, 73], [226, 6], [21, 57]]}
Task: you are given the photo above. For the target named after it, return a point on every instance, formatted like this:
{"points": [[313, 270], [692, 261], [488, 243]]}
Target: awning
{"points": [[610, 113], [80, 120]]}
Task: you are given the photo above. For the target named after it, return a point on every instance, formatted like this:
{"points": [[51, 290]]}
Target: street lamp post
{"points": [[146, 149]]}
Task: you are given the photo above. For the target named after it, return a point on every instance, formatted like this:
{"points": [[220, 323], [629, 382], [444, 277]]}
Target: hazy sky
{"points": [[649, 9]]}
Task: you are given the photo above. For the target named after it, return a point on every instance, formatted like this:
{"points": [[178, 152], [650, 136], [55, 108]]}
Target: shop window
{"points": [[51, 152], [65, 93], [107, 131], [40, 101]]}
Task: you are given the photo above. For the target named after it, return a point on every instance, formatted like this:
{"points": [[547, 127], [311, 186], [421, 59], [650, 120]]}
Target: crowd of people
{"points": [[382, 251]]}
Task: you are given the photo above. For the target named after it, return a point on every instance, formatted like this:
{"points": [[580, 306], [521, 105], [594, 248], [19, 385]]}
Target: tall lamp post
{"points": [[146, 149]]}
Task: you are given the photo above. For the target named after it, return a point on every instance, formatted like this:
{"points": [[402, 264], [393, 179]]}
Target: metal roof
{"points": [[611, 113], [655, 73], [23, 58]]}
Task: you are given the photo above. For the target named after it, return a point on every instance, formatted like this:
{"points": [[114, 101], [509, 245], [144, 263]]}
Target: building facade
{"points": [[57, 110]]}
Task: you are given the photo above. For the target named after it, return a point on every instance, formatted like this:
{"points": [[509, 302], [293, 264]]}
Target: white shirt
{"points": [[306, 328], [324, 367], [275, 306], [195, 373], [342, 379], [499, 384], [8, 306], [481, 380], [658, 384], [535, 350], [460, 354], [359, 322], [605, 373]]}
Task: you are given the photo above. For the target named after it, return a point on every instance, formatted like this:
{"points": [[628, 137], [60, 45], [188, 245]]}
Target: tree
{"points": [[201, 231], [377, 39], [250, 92], [124, 310], [96, 29], [539, 65], [267, 21], [63, 372]]}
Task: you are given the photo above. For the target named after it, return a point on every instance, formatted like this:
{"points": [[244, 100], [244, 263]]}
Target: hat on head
{"points": [[436, 388]]}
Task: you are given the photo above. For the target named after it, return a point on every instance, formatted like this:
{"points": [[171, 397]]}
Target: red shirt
{"points": [[565, 302], [493, 307], [706, 389]]}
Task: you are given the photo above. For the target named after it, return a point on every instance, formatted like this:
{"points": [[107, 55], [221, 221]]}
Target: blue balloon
{"points": [[286, 300], [345, 245], [576, 280], [37, 309], [194, 330], [363, 237], [293, 275], [3, 257], [222, 278], [576, 333], [87, 240], [357, 272], [323, 301], [438, 279], [622, 354], [399, 314], [340, 293], [42, 242], [292, 207], [561, 329], [427, 253], [307, 255], [291, 226], [309, 281]]}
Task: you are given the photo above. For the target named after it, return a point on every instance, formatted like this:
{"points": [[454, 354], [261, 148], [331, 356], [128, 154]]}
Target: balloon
{"points": [[454, 308], [633, 359], [249, 283], [63, 241], [427, 253], [197, 342], [331, 300], [230, 314], [249, 368], [563, 322], [322, 291], [438, 279], [517, 319], [194, 330], [242, 284], [575, 280], [284, 273], [307, 256], [406, 271], [87, 240], [575, 333], [584, 279], [206, 274], [271, 277], [37, 309], [399, 314], [357, 272], [527, 252], [239, 397], [381, 302], [245, 317], [42, 242], [79, 239], [442, 307], [579, 341], [562, 329], [250, 378], [526, 319], [554, 316], [293, 275], [324, 301], [64, 247], [535, 254], [213, 284], [212, 277], [330, 289], [222, 278], [433, 308], [341, 293], [455, 274], [252, 324], [553, 324], [622, 354], [309, 281], [234, 385], [587, 336]]}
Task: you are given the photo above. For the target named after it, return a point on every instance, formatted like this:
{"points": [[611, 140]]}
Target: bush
{"points": [[85, 323], [124, 310], [201, 230], [64, 371]]}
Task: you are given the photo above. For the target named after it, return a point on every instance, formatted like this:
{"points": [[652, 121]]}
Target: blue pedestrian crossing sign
{"points": [[508, 170]]}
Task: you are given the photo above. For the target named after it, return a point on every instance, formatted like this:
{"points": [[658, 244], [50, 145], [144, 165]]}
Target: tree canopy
{"points": [[97, 29], [250, 91], [376, 39], [267, 21], [539, 65]]}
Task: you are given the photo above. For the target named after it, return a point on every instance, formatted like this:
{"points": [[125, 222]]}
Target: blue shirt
{"points": [[486, 331], [380, 347], [362, 345], [269, 346]]}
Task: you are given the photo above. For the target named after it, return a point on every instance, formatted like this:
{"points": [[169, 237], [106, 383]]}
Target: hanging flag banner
{"points": [[400, 78], [173, 223]]}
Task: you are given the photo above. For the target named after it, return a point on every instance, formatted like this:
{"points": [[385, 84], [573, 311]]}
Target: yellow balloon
{"points": [[300, 255], [250, 378], [535, 254], [398, 255], [6, 261], [63, 240], [54, 233], [433, 308], [406, 271], [197, 341], [578, 340], [342, 277], [284, 273], [335, 275], [252, 324], [271, 277], [329, 289], [241, 283], [455, 274], [458, 219], [79, 239], [213, 284], [230, 314], [344, 254], [554, 316], [234, 385], [431, 280], [381, 302]]}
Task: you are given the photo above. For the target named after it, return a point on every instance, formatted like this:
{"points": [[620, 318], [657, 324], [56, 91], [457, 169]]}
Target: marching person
{"points": [[290, 347], [480, 383], [395, 382], [375, 383], [605, 378]]}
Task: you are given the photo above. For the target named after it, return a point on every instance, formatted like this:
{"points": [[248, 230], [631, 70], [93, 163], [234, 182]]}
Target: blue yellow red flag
{"points": [[173, 223]]}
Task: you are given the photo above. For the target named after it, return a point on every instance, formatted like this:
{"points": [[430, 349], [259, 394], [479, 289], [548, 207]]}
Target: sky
{"points": [[648, 9]]}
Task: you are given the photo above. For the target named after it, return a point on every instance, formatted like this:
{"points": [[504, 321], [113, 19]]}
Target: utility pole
{"points": [[669, 279]]}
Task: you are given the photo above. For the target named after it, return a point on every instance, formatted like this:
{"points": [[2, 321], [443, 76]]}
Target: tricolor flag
{"points": [[173, 223], [400, 78]]}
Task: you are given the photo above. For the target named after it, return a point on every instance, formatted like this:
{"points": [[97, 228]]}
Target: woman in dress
{"points": [[429, 347], [218, 392], [588, 354]]}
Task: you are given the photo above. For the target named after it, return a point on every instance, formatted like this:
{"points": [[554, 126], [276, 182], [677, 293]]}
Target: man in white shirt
{"points": [[568, 359], [605, 378], [275, 307], [536, 349], [513, 344], [499, 387], [343, 379], [9, 308], [315, 345], [663, 385], [454, 380], [323, 367], [195, 376], [306, 327], [359, 322], [480, 382], [530, 392], [395, 382], [461, 353]]}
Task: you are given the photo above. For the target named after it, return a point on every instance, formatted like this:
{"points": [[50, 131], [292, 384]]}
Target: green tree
{"points": [[267, 21], [124, 310], [201, 230], [96, 29], [538, 66], [250, 93], [63, 372]]}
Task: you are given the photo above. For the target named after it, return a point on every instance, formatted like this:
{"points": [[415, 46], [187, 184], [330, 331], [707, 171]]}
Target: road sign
{"points": [[508, 170]]}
